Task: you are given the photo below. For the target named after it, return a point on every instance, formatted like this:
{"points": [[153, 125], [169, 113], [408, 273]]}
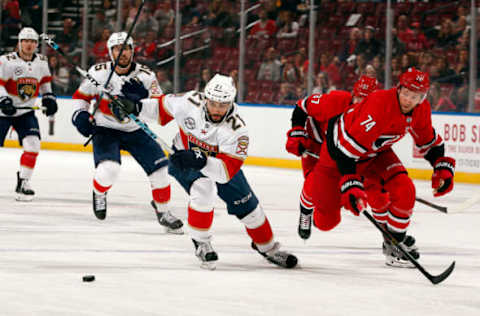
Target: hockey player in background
{"points": [[309, 127], [23, 75], [359, 158], [112, 131], [210, 149]]}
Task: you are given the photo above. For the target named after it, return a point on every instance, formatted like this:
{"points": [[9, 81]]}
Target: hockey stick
{"points": [[435, 279], [115, 64], [114, 99], [29, 108], [442, 209]]}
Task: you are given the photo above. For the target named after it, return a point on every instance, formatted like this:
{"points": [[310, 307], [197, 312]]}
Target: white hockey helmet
{"points": [[221, 89], [118, 38], [27, 33]]}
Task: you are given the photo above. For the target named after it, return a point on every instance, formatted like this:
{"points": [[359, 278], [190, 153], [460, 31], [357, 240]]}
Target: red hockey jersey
{"points": [[322, 107], [376, 123]]}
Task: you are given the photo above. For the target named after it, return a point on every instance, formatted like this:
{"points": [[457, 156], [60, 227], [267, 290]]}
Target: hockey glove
{"points": [[6, 105], [81, 120], [353, 196], [442, 178], [194, 159], [297, 140], [49, 104], [134, 90], [127, 107]]}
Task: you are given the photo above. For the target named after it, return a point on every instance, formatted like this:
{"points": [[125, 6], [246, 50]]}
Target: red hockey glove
{"points": [[353, 196], [297, 140], [442, 178]]}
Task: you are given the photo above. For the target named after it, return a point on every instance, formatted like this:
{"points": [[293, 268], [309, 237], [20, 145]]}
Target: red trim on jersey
{"points": [[28, 159], [262, 234], [161, 195], [79, 95], [380, 217], [163, 116], [3, 82], [103, 107], [346, 142], [100, 188], [438, 140], [232, 164], [184, 138], [199, 220], [45, 80]]}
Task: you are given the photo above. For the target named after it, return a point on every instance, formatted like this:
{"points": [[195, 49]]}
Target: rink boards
{"points": [[268, 125]]}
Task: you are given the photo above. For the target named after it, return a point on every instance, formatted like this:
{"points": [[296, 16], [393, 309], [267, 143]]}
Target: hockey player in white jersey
{"points": [[210, 149], [23, 76], [112, 130]]}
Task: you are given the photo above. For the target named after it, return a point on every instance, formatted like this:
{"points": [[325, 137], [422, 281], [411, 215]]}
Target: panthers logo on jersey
{"points": [[26, 88]]}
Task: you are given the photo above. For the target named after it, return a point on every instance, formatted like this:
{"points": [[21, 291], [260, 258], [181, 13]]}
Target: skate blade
{"points": [[208, 265], [392, 262], [23, 198], [168, 230]]}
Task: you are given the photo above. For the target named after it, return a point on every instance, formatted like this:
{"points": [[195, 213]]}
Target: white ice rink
{"points": [[47, 245]]}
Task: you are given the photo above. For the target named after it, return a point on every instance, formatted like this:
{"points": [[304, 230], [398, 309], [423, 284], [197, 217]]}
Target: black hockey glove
{"points": [[134, 90], [127, 107], [194, 159], [81, 120], [6, 105], [49, 104]]}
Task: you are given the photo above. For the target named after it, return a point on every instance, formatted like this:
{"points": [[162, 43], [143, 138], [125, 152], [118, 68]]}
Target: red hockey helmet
{"points": [[415, 80], [364, 86]]}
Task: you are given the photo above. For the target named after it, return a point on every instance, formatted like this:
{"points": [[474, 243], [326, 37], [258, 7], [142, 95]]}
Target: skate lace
{"points": [[305, 221], [204, 248], [100, 201], [26, 185], [168, 217]]}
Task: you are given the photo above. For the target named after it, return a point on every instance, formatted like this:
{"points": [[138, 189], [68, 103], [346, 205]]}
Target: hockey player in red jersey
{"points": [[309, 126], [23, 75], [359, 158]]}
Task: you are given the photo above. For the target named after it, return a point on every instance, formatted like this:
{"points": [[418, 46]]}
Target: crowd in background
{"points": [[349, 40]]}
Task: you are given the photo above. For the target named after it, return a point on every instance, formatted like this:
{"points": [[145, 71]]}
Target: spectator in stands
{"points": [[145, 50], [288, 28], [217, 12], [445, 36], [31, 13], [406, 61], [270, 68], [68, 35], [425, 61], [396, 69], [334, 72], [370, 71], [441, 73], [60, 76], [368, 46], [271, 8], [398, 47], [350, 46], [404, 33], [285, 94], [100, 50], [322, 84], [290, 73], [300, 92], [11, 21], [98, 24], [377, 65], [190, 13], [164, 14], [205, 76], [146, 23], [164, 82], [361, 63], [109, 9], [417, 40], [265, 27]]}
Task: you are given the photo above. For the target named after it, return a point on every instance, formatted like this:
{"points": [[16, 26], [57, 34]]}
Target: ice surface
{"points": [[47, 245]]}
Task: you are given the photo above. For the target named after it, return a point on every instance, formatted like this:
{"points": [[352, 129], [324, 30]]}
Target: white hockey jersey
{"points": [[226, 142], [23, 80], [89, 91]]}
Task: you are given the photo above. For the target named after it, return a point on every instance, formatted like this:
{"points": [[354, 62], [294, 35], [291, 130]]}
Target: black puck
{"points": [[88, 278]]}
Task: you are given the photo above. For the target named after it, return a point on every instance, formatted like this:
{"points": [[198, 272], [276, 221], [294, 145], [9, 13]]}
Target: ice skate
{"points": [[394, 256], [205, 253], [171, 224], [305, 225], [23, 190], [278, 257], [100, 205]]}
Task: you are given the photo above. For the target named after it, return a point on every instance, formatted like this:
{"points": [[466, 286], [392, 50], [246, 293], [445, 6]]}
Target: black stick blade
{"points": [[439, 278]]}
